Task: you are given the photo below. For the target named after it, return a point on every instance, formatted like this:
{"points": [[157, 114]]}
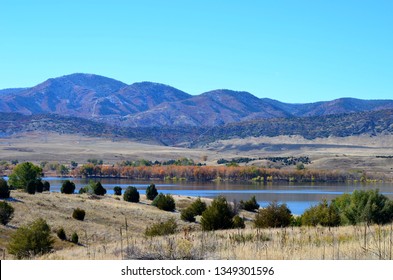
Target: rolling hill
{"points": [[371, 123]]}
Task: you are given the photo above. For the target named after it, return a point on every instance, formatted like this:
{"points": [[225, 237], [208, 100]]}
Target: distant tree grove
{"points": [[209, 173]]}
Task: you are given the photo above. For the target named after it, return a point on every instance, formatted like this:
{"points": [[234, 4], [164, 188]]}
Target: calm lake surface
{"points": [[298, 197]]}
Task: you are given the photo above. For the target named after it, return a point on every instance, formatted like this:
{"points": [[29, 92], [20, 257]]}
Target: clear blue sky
{"points": [[293, 51]]}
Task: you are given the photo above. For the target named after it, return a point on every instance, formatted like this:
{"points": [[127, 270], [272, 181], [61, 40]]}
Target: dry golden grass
{"points": [[105, 216], [334, 153], [64, 148], [114, 229]]}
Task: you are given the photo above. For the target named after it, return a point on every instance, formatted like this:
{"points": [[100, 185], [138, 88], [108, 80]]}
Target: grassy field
{"points": [[39, 147], [333, 153], [114, 229], [346, 154]]}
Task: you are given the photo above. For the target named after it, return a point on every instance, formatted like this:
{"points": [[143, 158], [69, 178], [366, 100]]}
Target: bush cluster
{"points": [[238, 222], [67, 187], [97, 188], [361, 206], [30, 187], [93, 188], [131, 194], [369, 207], [273, 216], [198, 206], [79, 214], [323, 214], [84, 189], [39, 185], [219, 215], [4, 189], [151, 192], [195, 209], [6, 212], [187, 215], [249, 205], [61, 234], [34, 186], [164, 202], [163, 228], [117, 190], [46, 186], [75, 238], [33, 239], [24, 173]]}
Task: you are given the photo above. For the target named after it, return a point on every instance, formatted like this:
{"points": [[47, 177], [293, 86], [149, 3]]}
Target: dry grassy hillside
{"points": [[114, 229], [334, 153], [64, 148]]}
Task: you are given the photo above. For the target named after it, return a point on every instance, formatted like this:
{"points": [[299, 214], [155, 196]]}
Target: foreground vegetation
{"points": [[112, 228], [31, 216]]}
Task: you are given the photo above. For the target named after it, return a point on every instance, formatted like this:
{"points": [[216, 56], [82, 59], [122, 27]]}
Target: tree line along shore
{"points": [[186, 169]]}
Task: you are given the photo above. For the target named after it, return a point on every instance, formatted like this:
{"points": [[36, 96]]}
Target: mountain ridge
{"points": [[148, 104]]}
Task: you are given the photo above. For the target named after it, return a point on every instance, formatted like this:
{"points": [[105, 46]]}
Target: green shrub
{"points": [[273, 216], [163, 228], [365, 207], [341, 203], [198, 207], [218, 215], [46, 186], [131, 194], [322, 214], [151, 192], [300, 166], [33, 239], [31, 187], [164, 202], [117, 190], [67, 187], [6, 212], [296, 221], [238, 222], [75, 238], [79, 214], [93, 188], [249, 205], [187, 215], [34, 186], [61, 234], [84, 189], [23, 173], [97, 188], [39, 186], [4, 189]]}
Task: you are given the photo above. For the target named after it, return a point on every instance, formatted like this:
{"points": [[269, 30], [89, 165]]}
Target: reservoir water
{"points": [[298, 197]]}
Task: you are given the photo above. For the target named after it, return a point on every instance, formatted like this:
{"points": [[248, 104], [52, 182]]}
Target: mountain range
{"points": [[148, 104]]}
